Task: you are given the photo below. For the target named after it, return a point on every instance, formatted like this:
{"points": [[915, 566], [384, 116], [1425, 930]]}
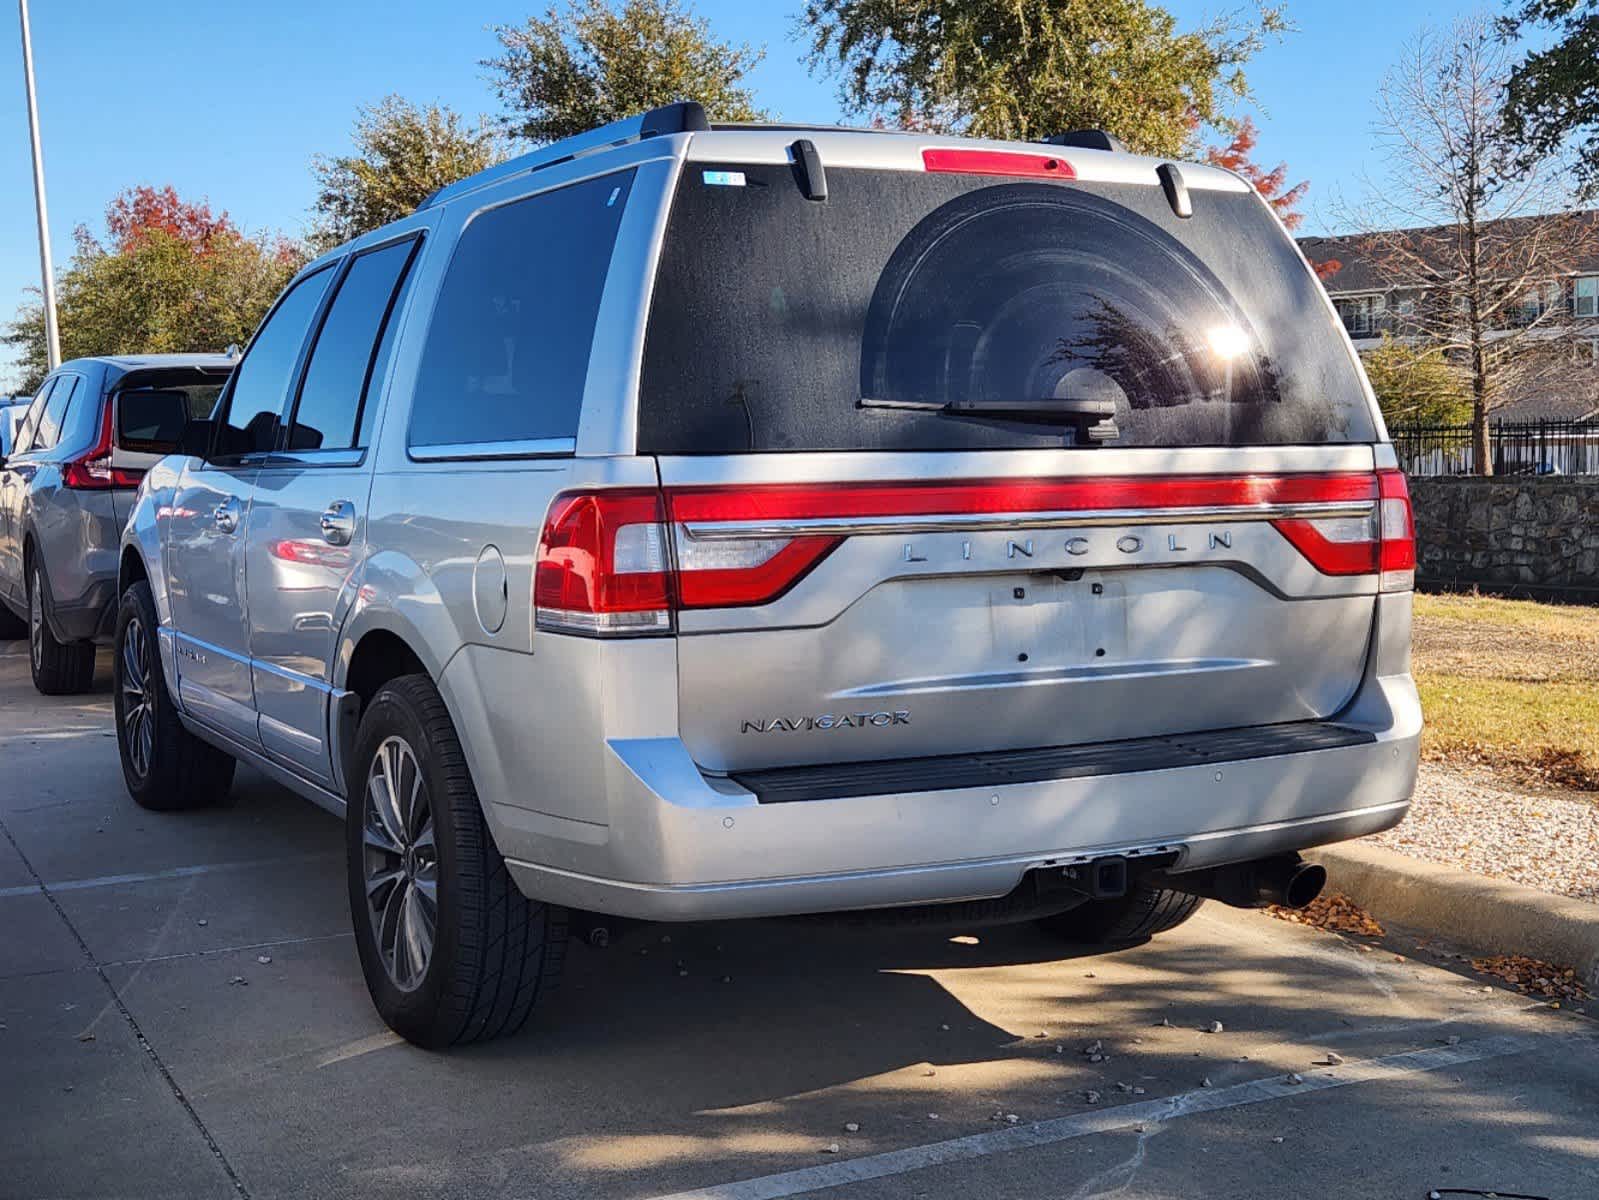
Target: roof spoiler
{"points": [[1088, 139], [687, 116]]}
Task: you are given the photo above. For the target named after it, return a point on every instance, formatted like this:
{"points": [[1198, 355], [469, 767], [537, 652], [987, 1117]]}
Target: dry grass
{"points": [[1512, 684]]}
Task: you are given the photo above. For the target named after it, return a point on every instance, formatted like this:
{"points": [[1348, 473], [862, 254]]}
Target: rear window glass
{"points": [[780, 323], [507, 351]]}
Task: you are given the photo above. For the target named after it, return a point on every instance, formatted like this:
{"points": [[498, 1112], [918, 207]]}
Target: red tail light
{"points": [[997, 162], [1383, 542], [92, 470], [1398, 533], [602, 565], [623, 562]]}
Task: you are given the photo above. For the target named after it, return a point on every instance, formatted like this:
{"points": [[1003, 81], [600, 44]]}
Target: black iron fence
{"points": [[1514, 448]]}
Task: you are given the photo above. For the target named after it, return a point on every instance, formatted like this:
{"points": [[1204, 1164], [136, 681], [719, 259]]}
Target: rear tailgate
{"points": [[959, 624], [939, 580]]}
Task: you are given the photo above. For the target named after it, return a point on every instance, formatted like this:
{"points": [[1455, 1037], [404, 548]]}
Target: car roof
{"points": [[139, 362], [684, 131]]}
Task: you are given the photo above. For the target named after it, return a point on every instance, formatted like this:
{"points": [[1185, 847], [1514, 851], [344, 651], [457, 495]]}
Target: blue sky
{"points": [[229, 100]]}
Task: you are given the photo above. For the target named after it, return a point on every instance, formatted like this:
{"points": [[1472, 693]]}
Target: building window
{"points": [[1537, 301], [1585, 296], [1360, 313]]}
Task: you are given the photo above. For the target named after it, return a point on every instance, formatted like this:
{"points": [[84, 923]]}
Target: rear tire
{"points": [[1142, 913], [452, 952], [164, 766], [59, 668]]}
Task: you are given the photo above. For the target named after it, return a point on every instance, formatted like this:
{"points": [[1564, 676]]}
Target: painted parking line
{"points": [[1125, 1116], [99, 881]]}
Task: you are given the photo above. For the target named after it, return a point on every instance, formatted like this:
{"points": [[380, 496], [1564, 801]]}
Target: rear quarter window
{"points": [[507, 350]]}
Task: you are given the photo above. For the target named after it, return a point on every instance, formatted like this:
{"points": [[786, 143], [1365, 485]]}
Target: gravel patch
{"points": [[1469, 818]]}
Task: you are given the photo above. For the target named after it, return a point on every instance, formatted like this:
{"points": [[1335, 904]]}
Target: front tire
{"points": [[452, 952], [59, 668], [164, 765], [1139, 915]]}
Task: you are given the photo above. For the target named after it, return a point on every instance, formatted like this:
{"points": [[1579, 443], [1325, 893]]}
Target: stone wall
{"points": [[1527, 534]]}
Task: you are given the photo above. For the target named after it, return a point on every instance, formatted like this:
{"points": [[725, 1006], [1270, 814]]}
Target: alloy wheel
{"points": [[138, 714], [402, 864]]}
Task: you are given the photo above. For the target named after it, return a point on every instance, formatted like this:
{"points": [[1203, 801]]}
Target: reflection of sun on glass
{"points": [[1228, 341]]}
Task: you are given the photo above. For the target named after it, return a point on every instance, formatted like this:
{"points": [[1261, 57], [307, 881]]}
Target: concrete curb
{"points": [[1489, 916]]}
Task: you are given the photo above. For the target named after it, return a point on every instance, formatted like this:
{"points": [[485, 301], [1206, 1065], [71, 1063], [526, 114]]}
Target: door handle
{"points": [[226, 515], [338, 523]]}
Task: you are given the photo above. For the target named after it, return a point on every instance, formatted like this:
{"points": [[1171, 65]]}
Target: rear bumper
{"points": [[92, 617], [680, 845]]}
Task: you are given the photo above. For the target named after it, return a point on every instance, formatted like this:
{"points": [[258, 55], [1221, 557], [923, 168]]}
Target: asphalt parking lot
{"points": [[182, 1014]]}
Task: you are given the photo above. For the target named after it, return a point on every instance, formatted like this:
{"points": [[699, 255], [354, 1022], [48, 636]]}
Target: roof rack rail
{"points": [[794, 127], [687, 116], [1088, 139]]}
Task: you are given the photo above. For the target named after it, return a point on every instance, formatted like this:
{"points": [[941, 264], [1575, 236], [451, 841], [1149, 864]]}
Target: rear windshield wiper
{"points": [[1093, 417]]}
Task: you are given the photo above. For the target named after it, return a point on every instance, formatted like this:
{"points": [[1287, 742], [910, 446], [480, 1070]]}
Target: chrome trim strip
{"points": [[259, 664], [527, 448], [313, 458], [729, 530], [254, 663]]}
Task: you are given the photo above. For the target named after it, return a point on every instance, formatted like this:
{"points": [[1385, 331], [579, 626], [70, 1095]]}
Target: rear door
{"points": [[307, 532], [959, 460], [13, 484], [209, 519]]}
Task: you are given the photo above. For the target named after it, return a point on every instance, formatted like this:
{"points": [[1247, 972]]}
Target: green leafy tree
{"points": [[590, 63], [173, 278], [1552, 98], [1026, 69], [1417, 385], [403, 154]]}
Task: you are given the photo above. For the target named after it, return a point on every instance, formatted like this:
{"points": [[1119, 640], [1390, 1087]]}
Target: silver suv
{"points": [[66, 487], [689, 522]]}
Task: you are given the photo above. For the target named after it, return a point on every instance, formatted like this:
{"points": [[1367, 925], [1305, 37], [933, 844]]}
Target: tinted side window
{"points": [[508, 348], [31, 421], [261, 381], [328, 415], [371, 400], [55, 412]]}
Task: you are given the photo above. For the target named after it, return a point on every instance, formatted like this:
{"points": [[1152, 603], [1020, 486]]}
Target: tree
{"points": [[1236, 155], [1553, 94], [141, 211], [173, 278], [403, 154], [1031, 68], [1417, 385], [590, 63], [1477, 250]]}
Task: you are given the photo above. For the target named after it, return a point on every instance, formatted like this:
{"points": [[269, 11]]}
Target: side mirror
{"points": [[152, 420], [196, 439]]}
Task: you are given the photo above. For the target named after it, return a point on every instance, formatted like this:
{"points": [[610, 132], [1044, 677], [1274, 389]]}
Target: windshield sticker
{"points": [[724, 178]]}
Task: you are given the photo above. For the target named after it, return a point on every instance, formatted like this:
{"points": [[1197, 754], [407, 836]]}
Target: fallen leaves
{"points": [[1333, 912], [1531, 977]]}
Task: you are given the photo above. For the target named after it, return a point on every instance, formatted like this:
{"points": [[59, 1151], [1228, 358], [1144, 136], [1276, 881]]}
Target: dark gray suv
{"points": [[66, 487]]}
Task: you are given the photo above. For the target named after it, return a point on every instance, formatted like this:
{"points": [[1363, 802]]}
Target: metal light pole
{"points": [[52, 336]]}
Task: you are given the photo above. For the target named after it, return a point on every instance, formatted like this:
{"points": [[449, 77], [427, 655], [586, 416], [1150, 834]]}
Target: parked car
{"points": [[687, 522], [12, 410], [66, 486]]}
